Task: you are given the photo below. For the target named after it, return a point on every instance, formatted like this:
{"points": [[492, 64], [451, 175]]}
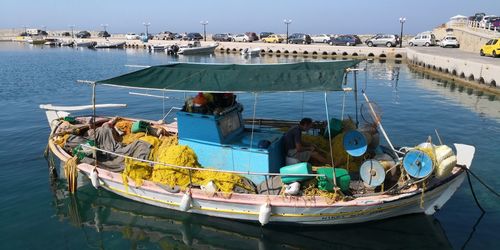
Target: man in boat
{"points": [[298, 149]]}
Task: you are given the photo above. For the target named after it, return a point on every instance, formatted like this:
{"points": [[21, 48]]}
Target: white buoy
{"points": [[185, 204], [293, 188], [94, 178], [264, 213], [210, 188]]}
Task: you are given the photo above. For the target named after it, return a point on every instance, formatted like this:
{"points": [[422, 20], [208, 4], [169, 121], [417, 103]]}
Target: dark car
{"points": [[299, 38], [103, 34], [265, 34], [252, 36], [165, 35], [150, 36], [83, 34], [221, 37], [192, 37], [66, 34], [347, 40]]}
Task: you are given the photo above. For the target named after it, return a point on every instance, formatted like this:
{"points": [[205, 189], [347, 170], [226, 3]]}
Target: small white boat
{"points": [[52, 42], [68, 43], [85, 44], [196, 49], [110, 45], [251, 52], [159, 47]]}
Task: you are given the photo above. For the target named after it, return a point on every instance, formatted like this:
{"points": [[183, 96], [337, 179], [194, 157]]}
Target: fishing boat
{"points": [[110, 45], [196, 49], [215, 162], [35, 40]]}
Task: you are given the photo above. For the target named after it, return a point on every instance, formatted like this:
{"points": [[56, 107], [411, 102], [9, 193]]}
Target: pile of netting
{"points": [[341, 158], [168, 154]]}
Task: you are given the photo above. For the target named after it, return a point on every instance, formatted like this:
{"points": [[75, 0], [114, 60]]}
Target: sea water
{"points": [[37, 213]]}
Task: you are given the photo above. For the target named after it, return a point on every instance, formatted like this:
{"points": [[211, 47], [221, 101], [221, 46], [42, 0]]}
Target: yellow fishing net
{"points": [[166, 150]]}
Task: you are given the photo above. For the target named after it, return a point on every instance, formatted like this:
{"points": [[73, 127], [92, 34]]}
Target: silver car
{"points": [[383, 40]]}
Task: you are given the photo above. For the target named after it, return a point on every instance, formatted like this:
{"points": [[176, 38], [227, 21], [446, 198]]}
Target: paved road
{"points": [[457, 53]]}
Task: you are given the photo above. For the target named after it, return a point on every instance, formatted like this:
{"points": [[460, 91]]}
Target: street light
{"points": [[72, 27], [402, 20], [287, 22], [204, 23], [104, 26], [147, 28]]}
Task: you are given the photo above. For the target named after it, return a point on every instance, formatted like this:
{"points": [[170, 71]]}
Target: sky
{"points": [[236, 16]]}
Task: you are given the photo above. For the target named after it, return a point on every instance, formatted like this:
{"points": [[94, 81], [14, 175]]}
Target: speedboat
{"points": [[251, 52], [212, 161], [85, 44], [110, 45], [196, 49], [52, 42]]}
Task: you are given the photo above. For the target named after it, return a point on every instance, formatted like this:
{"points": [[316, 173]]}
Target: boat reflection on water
{"points": [[104, 216]]}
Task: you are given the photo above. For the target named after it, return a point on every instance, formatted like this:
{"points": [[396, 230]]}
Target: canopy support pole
{"points": [[330, 140], [356, 96], [93, 123]]}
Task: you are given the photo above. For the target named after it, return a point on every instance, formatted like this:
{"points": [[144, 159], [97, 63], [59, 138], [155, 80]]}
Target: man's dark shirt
{"points": [[292, 137]]}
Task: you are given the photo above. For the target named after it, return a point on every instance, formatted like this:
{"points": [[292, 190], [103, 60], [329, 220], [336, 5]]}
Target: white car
{"points": [[322, 38], [423, 39], [240, 38], [132, 36], [450, 41]]}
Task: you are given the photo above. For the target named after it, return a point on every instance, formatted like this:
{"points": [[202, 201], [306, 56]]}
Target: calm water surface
{"points": [[37, 213]]}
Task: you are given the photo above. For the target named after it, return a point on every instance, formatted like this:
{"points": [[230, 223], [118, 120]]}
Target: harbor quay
{"points": [[461, 65]]}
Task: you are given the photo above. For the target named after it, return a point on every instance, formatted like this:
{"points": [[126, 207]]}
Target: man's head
{"points": [[305, 124]]}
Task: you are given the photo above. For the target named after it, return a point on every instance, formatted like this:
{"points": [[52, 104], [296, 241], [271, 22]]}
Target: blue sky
{"points": [[311, 16]]}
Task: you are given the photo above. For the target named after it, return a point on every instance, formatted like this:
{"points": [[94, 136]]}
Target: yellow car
{"points": [[491, 48], [273, 39]]}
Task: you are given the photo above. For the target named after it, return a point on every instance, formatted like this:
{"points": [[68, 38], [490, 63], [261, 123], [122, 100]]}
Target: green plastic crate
{"points": [[299, 168], [326, 183], [139, 126]]}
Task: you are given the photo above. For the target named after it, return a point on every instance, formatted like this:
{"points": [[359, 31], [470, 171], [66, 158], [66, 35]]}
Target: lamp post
{"points": [[204, 23], [402, 20], [147, 28], [72, 34], [104, 26], [287, 22], [25, 30]]}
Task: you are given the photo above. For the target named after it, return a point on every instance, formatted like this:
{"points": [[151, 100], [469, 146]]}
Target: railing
{"points": [[198, 169]]}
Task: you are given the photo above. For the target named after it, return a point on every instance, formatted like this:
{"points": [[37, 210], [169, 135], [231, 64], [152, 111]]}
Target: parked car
{"points": [[297, 38], [273, 39], [491, 48], [495, 23], [83, 34], [263, 35], [66, 34], [251, 36], [193, 36], [321, 38], [221, 37], [347, 40], [103, 34], [450, 41], [131, 36], [178, 36], [423, 39], [484, 23], [387, 40], [239, 38], [165, 35], [142, 36]]}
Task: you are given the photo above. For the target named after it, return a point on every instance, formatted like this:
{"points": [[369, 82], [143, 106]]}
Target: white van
{"points": [[423, 39]]}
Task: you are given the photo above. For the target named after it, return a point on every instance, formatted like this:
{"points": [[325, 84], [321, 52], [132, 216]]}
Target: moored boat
{"points": [[196, 49], [110, 45], [84, 44], [52, 42], [251, 52], [226, 156]]}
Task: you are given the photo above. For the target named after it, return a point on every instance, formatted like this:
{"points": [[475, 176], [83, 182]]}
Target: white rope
{"points": [[198, 169], [343, 106], [330, 140]]}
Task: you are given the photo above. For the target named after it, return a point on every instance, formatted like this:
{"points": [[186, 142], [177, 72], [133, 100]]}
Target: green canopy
{"points": [[304, 76]]}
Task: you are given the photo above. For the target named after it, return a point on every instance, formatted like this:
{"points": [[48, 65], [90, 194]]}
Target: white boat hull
{"points": [[198, 50]]}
